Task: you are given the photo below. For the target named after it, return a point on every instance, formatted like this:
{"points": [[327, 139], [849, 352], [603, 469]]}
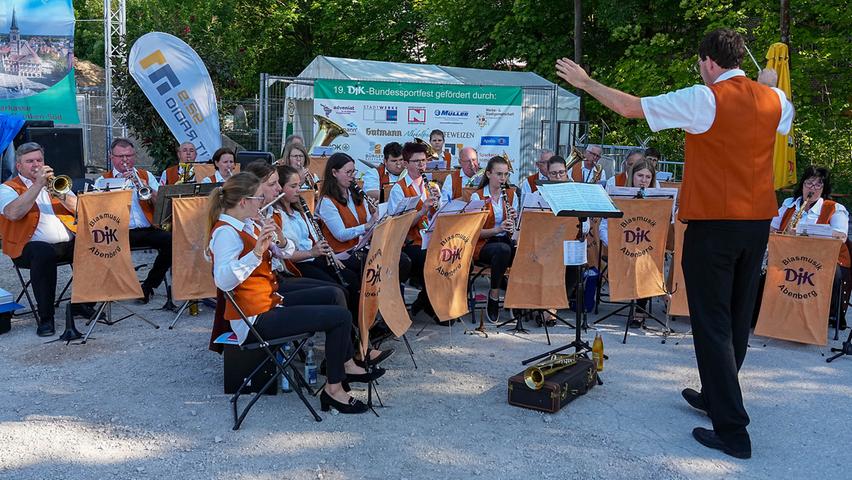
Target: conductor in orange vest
{"points": [[730, 124]]}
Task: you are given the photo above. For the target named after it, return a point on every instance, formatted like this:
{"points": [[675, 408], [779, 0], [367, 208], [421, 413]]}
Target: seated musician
{"points": [[495, 247], [143, 233], [175, 174], [223, 160], [586, 170], [640, 174], [414, 157], [529, 184], [387, 173], [241, 264], [344, 214], [296, 156], [464, 177], [38, 229], [815, 187]]}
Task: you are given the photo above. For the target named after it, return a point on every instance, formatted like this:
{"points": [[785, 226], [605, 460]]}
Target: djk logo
{"points": [[799, 277], [355, 90], [637, 236], [105, 236], [374, 276], [104, 230], [163, 73], [450, 255]]}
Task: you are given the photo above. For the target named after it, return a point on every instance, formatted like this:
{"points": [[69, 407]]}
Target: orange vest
{"points": [[147, 206], [490, 221], [291, 267], [413, 236], [212, 178], [259, 292], [17, 234], [728, 170], [531, 181], [455, 178], [349, 221], [621, 180], [828, 208], [577, 172]]}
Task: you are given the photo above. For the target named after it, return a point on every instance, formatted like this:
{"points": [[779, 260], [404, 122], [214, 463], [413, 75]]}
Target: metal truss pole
{"points": [[115, 32]]}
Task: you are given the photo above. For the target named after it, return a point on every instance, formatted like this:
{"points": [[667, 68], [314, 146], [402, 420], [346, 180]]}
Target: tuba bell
{"points": [[59, 185], [430, 150], [534, 376], [326, 133]]}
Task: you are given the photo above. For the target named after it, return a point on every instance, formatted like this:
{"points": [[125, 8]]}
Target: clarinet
{"points": [[371, 202], [329, 257], [504, 196]]}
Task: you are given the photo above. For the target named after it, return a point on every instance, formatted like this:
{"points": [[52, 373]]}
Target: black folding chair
{"points": [[270, 348], [25, 292]]}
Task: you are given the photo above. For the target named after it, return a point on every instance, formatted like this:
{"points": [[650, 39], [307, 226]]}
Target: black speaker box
{"points": [[238, 366], [245, 157], [63, 149]]}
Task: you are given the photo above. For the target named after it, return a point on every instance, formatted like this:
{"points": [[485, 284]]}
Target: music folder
{"points": [[163, 207], [573, 199]]}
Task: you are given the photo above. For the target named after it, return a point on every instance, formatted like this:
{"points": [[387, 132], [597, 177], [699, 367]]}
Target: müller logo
{"points": [[104, 228], [799, 275], [452, 250], [637, 236]]}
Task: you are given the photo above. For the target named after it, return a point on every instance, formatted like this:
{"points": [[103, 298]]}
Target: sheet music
{"points": [[814, 230], [649, 192], [116, 183], [574, 252], [382, 210], [434, 165], [535, 200], [573, 196], [408, 203]]}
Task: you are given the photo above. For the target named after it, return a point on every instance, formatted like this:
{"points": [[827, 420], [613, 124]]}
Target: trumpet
{"points": [[332, 260], [357, 190], [535, 375], [58, 185], [143, 191]]}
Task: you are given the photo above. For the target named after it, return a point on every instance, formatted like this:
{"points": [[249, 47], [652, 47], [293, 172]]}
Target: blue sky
{"points": [[38, 17]]}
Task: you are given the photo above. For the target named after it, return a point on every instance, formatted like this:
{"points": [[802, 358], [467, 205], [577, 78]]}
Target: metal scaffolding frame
{"points": [[115, 35]]}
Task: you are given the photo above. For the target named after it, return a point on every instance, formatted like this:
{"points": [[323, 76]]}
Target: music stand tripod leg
{"points": [[179, 313], [94, 321], [845, 349], [410, 351]]}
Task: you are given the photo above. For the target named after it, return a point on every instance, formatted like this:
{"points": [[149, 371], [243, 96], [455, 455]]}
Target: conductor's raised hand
{"points": [[572, 73]]}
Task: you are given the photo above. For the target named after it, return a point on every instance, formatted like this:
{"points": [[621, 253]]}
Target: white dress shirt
{"points": [[327, 212], [229, 269], [693, 109], [219, 178], [839, 221], [372, 181], [298, 231], [525, 185], [49, 229], [496, 207], [447, 187], [589, 174], [397, 195], [137, 216]]}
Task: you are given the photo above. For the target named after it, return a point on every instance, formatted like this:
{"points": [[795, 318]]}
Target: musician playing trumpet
{"points": [[813, 189], [495, 247], [37, 228], [224, 161], [143, 232]]}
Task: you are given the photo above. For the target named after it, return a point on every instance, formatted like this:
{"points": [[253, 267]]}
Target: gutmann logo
{"points": [[104, 229], [636, 236], [798, 277], [452, 250]]}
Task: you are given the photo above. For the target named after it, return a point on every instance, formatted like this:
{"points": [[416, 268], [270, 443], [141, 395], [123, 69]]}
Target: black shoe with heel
{"points": [[374, 374], [375, 361], [492, 310], [353, 406]]}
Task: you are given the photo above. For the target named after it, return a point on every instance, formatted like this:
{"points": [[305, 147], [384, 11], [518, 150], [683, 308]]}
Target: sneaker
{"points": [[492, 311]]}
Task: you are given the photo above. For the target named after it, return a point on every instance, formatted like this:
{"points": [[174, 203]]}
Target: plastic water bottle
{"points": [[310, 365], [285, 384]]}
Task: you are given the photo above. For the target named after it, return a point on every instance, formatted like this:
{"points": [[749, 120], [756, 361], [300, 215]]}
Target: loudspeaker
{"points": [[23, 134], [244, 157], [63, 149]]}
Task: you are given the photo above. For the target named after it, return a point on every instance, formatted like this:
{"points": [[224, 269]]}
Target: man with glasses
{"points": [[143, 233], [469, 162], [585, 172], [186, 154], [388, 173], [730, 125], [529, 185]]}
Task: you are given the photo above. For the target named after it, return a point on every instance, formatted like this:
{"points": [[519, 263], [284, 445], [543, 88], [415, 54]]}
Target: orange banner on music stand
{"points": [[192, 273], [380, 281], [637, 248], [448, 258], [310, 197], [103, 267], [538, 270], [797, 294], [678, 305]]}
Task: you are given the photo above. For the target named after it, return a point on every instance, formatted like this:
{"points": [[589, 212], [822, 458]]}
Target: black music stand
{"points": [[574, 208]]}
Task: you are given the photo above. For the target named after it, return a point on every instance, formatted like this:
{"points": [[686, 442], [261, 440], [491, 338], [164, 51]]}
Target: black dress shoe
{"points": [[694, 399], [492, 310], [709, 439], [375, 361], [365, 377], [147, 293], [353, 406], [46, 329]]}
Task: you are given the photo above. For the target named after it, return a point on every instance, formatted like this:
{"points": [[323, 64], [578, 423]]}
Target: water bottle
{"points": [[310, 365], [285, 384]]}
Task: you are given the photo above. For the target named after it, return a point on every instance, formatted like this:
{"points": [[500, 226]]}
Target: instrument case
{"points": [[559, 389]]}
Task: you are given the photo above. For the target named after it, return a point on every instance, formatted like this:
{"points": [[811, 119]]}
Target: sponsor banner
{"points": [[175, 80], [637, 248], [376, 113], [103, 268], [797, 293], [37, 61], [448, 260]]}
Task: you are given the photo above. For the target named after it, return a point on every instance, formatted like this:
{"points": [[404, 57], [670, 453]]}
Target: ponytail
{"points": [[228, 195]]}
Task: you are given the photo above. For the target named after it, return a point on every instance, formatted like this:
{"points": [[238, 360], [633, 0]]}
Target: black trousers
{"points": [[721, 268], [41, 259], [497, 253], [309, 291], [159, 240]]}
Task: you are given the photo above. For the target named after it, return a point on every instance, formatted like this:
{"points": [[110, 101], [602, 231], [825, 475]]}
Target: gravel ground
{"points": [[136, 402]]}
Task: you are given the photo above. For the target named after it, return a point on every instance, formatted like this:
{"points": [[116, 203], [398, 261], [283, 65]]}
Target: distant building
{"points": [[20, 57]]}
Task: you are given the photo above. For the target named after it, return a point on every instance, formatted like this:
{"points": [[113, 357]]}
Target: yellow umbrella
{"points": [[784, 164]]}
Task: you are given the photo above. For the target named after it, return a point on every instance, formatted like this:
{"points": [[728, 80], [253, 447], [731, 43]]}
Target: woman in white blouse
{"points": [[223, 160]]}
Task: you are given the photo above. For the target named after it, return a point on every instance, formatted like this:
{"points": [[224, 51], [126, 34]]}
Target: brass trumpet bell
{"points": [[327, 131], [59, 185], [535, 375]]}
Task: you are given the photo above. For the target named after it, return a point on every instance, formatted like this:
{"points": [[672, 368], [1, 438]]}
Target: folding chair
{"points": [[25, 292], [270, 347]]}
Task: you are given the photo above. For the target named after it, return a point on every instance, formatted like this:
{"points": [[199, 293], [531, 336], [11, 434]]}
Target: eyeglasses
{"points": [[813, 183], [297, 157], [254, 198], [595, 155], [129, 155], [558, 173]]}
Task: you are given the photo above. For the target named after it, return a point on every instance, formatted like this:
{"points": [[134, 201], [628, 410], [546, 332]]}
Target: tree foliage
{"points": [[640, 46]]}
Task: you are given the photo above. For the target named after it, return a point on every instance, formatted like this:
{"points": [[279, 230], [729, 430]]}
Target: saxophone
{"points": [[791, 226], [598, 170]]}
